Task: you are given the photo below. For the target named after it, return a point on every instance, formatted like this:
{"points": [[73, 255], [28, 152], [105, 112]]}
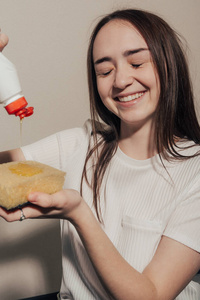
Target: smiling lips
{"points": [[131, 97]]}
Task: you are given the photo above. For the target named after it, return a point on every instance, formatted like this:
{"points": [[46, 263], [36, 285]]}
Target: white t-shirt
{"points": [[140, 202]]}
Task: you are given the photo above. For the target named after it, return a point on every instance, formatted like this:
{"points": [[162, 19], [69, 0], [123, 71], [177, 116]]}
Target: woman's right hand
{"points": [[3, 40], [65, 204]]}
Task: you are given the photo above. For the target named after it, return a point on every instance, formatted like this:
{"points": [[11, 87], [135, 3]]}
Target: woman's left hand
{"points": [[65, 204]]}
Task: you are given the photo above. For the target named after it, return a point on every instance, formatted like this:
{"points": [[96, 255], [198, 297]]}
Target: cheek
{"points": [[101, 87], [154, 84], [104, 92]]}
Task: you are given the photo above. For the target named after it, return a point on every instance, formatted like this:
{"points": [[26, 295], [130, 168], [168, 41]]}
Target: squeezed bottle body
{"points": [[11, 95]]}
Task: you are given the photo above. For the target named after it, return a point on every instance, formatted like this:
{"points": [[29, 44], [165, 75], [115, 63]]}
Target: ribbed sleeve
{"points": [[185, 219]]}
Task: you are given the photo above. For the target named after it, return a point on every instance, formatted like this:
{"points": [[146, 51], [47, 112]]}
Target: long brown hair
{"points": [[175, 114]]}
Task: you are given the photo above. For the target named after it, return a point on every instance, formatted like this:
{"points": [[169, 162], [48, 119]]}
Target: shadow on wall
{"points": [[31, 265]]}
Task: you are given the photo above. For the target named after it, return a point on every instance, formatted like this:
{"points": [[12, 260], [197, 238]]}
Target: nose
{"points": [[122, 78]]}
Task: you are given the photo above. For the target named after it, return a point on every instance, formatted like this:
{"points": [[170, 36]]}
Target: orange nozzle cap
{"points": [[18, 108], [25, 112]]}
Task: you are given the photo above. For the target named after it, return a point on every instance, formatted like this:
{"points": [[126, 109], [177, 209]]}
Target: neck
{"points": [[137, 142]]}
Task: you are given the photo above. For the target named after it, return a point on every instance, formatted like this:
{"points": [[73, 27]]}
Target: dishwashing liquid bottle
{"points": [[10, 90]]}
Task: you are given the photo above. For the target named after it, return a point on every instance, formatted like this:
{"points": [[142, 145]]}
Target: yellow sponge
{"points": [[18, 179]]}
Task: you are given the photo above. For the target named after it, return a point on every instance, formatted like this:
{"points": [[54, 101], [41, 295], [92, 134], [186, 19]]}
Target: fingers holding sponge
{"points": [[19, 179]]}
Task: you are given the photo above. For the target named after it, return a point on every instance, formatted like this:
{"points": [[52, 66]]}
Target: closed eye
{"points": [[106, 73], [103, 72], [136, 65]]}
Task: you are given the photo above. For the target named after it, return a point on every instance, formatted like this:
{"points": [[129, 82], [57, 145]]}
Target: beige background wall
{"points": [[48, 42]]}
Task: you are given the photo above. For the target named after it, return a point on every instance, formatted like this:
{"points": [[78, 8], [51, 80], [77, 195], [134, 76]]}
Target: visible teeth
{"points": [[132, 97]]}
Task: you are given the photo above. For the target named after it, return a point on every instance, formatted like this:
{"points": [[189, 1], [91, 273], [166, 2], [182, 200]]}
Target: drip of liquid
{"points": [[21, 121]]}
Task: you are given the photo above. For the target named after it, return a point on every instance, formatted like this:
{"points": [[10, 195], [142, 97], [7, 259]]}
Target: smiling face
{"points": [[126, 78]]}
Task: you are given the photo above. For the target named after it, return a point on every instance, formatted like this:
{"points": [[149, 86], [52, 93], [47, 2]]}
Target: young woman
{"points": [[130, 210]]}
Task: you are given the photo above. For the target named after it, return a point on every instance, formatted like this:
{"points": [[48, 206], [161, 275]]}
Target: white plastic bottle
{"points": [[10, 90]]}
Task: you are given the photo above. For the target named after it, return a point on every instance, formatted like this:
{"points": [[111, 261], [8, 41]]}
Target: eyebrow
{"points": [[125, 54]]}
